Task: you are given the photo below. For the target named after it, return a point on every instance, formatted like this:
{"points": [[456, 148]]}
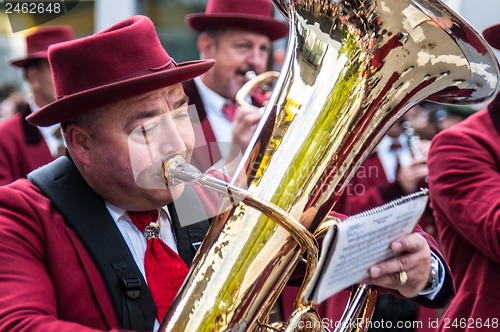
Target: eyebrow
{"points": [[145, 114], [183, 101]]}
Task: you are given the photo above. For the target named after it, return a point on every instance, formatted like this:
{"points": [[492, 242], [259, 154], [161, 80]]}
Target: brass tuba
{"points": [[352, 68]]}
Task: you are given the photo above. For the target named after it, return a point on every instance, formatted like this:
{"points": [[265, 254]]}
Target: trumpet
{"points": [[414, 140], [263, 83]]}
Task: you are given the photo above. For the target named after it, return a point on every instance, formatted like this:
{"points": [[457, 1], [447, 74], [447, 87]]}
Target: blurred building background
{"points": [[91, 16]]}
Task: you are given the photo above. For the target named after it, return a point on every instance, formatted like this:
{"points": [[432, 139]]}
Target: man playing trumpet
{"points": [[238, 35]]}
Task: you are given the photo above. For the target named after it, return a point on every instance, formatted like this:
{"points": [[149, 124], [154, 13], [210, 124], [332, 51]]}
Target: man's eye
{"points": [[182, 115], [146, 129], [242, 47]]}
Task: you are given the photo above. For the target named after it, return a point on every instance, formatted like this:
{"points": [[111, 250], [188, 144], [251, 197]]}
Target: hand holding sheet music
{"points": [[352, 246]]}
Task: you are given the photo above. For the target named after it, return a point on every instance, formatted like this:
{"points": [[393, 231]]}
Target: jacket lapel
{"points": [[206, 152]]}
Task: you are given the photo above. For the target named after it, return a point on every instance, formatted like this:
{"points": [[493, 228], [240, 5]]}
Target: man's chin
{"points": [[170, 194]]}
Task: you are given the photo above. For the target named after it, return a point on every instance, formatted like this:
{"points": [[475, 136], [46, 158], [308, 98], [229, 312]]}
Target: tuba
{"points": [[352, 68]]}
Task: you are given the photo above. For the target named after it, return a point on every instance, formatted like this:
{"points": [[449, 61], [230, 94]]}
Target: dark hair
{"points": [[85, 120]]}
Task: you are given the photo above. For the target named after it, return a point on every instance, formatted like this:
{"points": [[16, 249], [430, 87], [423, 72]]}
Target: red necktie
{"points": [[165, 270], [395, 145], [229, 110]]}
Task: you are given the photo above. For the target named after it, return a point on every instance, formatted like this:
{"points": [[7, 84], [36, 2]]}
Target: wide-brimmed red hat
{"points": [[122, 61], [254, 15], [38, 42], [492, 35]]}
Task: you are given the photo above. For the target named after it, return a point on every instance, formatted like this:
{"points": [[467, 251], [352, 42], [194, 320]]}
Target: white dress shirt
{"points": [[390, 158], [213, 104]]}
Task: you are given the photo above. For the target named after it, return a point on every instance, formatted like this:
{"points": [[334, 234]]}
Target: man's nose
{"points": [[172, 141], [257, 59]]}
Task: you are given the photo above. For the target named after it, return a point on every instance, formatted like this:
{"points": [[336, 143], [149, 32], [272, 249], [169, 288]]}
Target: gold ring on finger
{"points": [[403, 277]]}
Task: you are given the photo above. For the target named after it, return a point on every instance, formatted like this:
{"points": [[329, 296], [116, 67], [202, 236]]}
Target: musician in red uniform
{"points": [[238, 35], [464, 179], [25, 147]]}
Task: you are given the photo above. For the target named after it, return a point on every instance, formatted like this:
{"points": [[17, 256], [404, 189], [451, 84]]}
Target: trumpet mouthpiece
{"points": [[250, 74]]}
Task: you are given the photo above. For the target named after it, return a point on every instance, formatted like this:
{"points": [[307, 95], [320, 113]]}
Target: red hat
{"points": [[255, 15], [492, 35], [122, 61], [39, 41]]}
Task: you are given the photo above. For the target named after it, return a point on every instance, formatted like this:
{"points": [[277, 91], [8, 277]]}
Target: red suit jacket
{"points": [[22, 148], [464, 180]]}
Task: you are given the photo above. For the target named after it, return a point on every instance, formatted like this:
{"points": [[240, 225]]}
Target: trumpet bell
{"points": [[352, 68]]}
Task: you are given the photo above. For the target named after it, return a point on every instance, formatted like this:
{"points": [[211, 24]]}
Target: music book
{"points": [[351, 246]]}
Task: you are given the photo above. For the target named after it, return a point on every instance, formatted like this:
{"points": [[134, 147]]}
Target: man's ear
{"points": [[78, 141], [206, 45]]}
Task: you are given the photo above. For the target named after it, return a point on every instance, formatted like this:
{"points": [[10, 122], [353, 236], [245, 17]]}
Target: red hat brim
{"points": [[492, 35], [270, 27], [21, 63], [70, 107]]}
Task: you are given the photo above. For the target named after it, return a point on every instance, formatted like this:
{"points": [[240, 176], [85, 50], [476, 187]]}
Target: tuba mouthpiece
{"points": [[176, 170]]}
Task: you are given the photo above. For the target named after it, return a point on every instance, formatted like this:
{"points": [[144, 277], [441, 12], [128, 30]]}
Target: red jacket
{"points": [[49, 282], [464, 179], [22, 148]]}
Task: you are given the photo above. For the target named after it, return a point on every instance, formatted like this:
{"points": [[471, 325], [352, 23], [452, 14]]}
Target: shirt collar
{"points": [[117, 213], [33, 106], [213, 102]]}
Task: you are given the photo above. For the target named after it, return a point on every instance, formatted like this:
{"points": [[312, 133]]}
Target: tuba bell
{"points": [[352, 68]]}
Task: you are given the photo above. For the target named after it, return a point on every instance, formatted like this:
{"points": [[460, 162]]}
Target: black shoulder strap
{"points": [[85, 212], [190, 224]]}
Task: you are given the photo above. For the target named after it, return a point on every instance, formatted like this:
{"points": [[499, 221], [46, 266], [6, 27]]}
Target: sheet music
{"points": [[352, 246]]}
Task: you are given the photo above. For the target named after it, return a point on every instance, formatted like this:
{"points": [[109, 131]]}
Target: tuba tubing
{"points": [[352, 68]]}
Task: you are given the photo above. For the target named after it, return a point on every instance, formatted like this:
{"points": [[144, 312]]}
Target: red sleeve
{"points": [[43, 284], [465, 186]]}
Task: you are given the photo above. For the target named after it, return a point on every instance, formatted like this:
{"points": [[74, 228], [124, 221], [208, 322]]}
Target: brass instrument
{"points": [[266, 80], [414, 140], [352, 68]]}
